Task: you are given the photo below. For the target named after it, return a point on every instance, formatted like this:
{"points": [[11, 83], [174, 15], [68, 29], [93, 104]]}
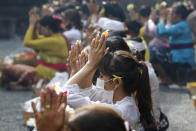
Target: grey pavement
{"points": [[10, 47], [175, 102], [11, 118], [179, 108]]}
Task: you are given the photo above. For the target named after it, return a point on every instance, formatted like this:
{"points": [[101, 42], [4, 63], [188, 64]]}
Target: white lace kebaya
{"points": [[155, 94], [126, 107]]}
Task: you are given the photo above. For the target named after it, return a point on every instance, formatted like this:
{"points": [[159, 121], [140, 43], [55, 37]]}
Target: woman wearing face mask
{"points": [[180, 38], [122, 77]]}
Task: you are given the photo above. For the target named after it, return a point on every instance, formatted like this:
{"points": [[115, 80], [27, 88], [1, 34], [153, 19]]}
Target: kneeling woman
{"points": [[123, 85], [51, 47], [180, 40]]}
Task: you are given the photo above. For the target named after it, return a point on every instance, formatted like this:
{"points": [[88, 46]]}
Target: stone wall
{"points": [[14, 16]]}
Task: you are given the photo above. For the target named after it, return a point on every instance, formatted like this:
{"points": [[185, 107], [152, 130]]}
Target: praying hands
{"points": [[52, 107]]}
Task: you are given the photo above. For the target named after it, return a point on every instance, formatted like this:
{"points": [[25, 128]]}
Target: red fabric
{"points": [[59, 67], [27, 56]]}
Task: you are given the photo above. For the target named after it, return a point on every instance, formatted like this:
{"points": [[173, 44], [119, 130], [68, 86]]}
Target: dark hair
{"points": [[118, 33], [52, 22], [181, 10], [119, 11], [133, 26], [115, 43], [96, 118], [145, 11], [74, 17], [84, 9], [60, 10], [113, 11], [135, 79]]}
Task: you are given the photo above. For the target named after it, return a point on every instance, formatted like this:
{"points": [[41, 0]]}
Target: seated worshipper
{"points": [[114, 43], [144, 15], [87, 118], [159, 48], [51, 47], [180, 39], [73, 25], [119, 85], [134, 28]]}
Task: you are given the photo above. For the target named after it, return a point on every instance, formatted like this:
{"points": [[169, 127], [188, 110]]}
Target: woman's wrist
{"points": [[72, 73], [91, 65]]}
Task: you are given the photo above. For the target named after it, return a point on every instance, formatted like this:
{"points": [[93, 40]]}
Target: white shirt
{"points": [[60, 78], [126, 107], [155, 94], [73, 35]]}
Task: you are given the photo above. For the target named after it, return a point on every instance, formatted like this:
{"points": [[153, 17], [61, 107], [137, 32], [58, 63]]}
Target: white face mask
{"points": [[106, 96]]}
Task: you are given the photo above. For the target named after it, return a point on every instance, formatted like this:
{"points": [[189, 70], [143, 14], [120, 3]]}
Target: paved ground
{"points": [[10, 47], [179, 108], [175, 102], [11, 118]]}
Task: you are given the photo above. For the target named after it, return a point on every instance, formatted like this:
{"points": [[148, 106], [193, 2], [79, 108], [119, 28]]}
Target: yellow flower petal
{"points": [[116, 77], [78, 42], [102, 11], [55, 2], [45, 6], [83, 51], [164, 4], [157, 6], [106, 33], [130, 6]]}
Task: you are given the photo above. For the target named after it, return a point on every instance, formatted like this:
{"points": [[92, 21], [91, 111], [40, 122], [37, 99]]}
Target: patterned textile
{"points": [[18, 73], [163, 125], [160, 55]]}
